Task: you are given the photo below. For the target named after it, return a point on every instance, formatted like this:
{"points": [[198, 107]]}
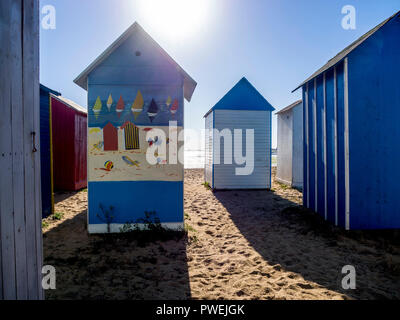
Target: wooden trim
{"points": [[307, 148], [325, 154], [346, 139], [51, 155], [336, 149], [315, 145]]}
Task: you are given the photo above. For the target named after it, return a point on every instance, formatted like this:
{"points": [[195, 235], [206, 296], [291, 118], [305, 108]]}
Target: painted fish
{"points": [[137, 106], [97, 107], [108, 166], [175, 107], [109, 102], [120, 106], [130, 162]]}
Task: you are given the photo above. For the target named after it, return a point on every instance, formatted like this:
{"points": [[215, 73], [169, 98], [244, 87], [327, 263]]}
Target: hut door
{"points": [[131, 137], [110, 134]]}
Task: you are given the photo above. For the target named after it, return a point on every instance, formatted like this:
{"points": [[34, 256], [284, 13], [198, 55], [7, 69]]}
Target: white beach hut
{"points": [[290, 145], [239, 126]]}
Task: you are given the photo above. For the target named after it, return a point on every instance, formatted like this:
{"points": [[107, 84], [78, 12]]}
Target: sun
{"points": [[175, 18]]}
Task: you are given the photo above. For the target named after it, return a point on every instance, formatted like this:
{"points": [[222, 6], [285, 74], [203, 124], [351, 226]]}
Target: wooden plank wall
{"points": [[20, 202]]}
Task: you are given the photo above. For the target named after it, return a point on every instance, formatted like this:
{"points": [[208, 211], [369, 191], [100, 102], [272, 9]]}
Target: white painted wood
{"points": [[298, 147], [306, 106], [336, 148], [315, 145], [208, 166], [224, 174], [346, 142], [325, 155], [20, 207], [116, 228]]}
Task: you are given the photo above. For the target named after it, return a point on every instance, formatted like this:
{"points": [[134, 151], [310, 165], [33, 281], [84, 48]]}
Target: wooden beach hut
{"points": [[131, 89], [242, 112], [290, 145], [46, 158], [69, 141], [352, 133]]}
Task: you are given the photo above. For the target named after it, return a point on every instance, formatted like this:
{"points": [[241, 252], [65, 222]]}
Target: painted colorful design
{"points": [[130, 162], [97, 108], [153, 110], [175, 107], [108, 166], [110, 136], [109, 102], [169, 101], [137, 106], [131, 136], [120, 106]]}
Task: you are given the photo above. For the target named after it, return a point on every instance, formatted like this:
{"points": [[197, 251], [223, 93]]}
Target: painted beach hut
{"points": [[46, 158], [136, 94], [290, 145], [239, 125], [352, 133], [69, 136]]}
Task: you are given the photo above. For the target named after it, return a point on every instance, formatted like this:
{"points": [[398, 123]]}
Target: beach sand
{"points": [[239, 245]]}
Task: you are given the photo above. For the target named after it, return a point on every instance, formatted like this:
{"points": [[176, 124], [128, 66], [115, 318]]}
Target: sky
{"points": [[275, 44]]}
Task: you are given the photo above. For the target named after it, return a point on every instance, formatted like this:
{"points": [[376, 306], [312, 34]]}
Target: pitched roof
{"points": [[289, 107], [48, 90], [345, 52], [69, 103], [243, 96], [189, 83]]}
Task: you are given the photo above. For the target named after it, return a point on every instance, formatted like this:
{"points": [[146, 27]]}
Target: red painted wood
{"points": [[69, 129], [110, 134]]}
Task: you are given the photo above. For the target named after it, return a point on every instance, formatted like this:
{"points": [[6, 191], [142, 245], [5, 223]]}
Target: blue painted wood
{"points": [[330, 144], [131, 199], [374, 113], [45, 155], [311, 151], [305, 168], [320, 148]]}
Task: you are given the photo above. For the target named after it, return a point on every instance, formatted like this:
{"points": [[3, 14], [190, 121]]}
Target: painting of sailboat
{"points": [[109, 102], [153, 110], [175, 107], [97, 108], [137, 106], [120, 106]]}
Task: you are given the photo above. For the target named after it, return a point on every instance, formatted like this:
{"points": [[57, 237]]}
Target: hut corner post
{"points": [[20, 196]]}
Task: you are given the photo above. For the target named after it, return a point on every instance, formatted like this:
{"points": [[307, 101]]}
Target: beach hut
{"points": [[131, 115], [238, 140], [290, 145], [46, 158], [352, 133], [69, 136]]}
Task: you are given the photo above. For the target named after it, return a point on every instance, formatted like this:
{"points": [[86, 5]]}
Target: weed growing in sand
{"points": [[107, 216], [84, 190], [207, 185], [187, 217], [57, 216], [188, 228], [45, 224]]}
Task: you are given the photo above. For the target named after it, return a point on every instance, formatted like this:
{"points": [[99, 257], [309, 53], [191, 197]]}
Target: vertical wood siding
{"points": [[20, 197], [208, 167]]}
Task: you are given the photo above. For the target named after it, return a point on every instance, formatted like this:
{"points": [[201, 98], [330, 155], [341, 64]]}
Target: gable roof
{"points": [[48, 90], [289, 107], [345, 52], [243, 96], [69, 103], [189, 84]]}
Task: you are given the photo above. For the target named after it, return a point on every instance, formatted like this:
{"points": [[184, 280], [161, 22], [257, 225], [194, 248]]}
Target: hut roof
{"points": [[289, 107], [243, 96], [189, 84], [69, 103], [345, 52]]}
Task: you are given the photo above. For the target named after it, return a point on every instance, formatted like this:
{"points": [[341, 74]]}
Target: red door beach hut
{"points": [[69, 128], [134, 90]]}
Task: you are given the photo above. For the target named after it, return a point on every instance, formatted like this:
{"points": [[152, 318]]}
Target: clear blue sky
{"points": [[276, 44]]}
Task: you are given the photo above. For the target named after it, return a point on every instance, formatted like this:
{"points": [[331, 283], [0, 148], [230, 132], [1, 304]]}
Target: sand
{"points": [[239, 245]]}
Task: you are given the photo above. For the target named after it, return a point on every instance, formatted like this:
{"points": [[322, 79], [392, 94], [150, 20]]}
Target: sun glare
{"points": [[175, 18]]}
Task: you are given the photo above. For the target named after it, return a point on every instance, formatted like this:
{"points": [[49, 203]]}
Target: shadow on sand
{"points": [[291, 238], [114, 266]]}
